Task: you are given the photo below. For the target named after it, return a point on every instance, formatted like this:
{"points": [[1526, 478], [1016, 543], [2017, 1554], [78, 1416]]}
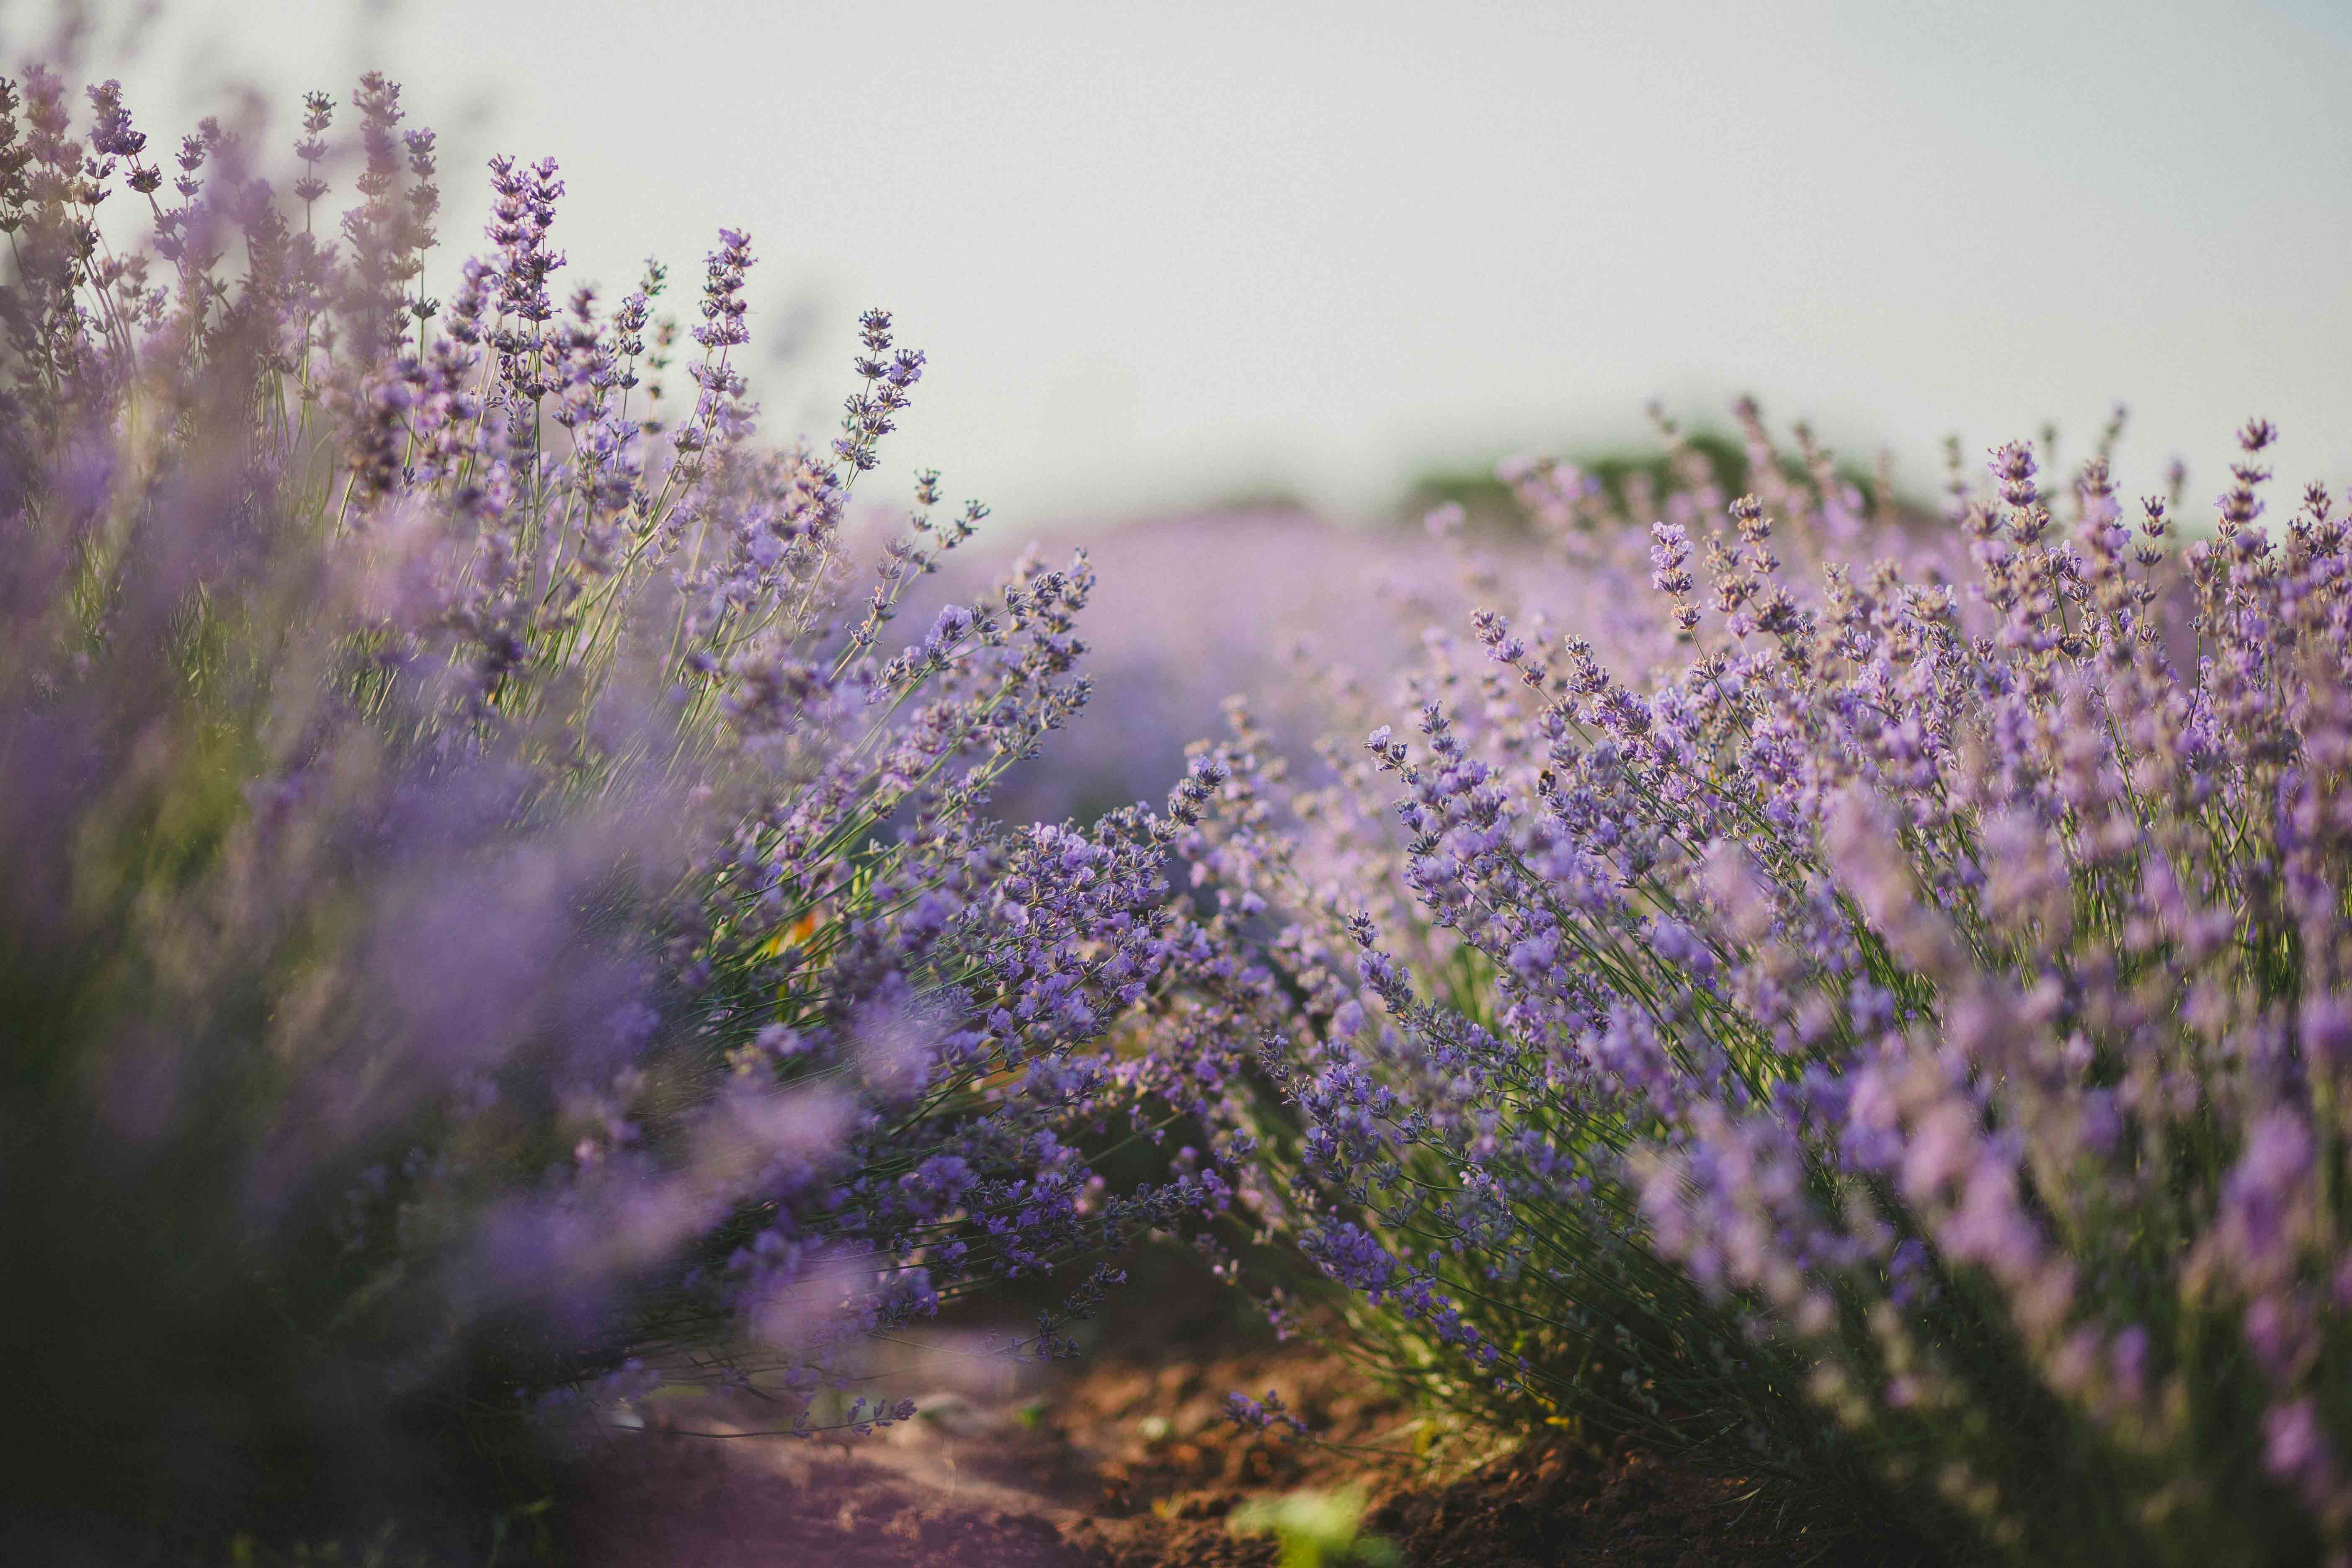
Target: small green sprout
{"points": [[1316, 1529]]}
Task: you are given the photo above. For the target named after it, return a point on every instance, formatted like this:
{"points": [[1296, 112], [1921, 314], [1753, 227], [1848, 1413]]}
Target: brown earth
{"points": [[1123, 1464]]}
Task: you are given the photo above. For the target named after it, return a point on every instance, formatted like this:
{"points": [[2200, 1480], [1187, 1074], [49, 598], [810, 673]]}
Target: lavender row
{"points": [[1884, 1022], [499, 923]]}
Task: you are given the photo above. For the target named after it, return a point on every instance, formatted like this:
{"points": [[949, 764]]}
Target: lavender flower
{"points": [[1886, 1033], [486, 910]]}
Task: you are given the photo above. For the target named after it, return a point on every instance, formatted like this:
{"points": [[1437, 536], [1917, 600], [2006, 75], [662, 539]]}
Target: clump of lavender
{"points": [[493, 919], [1894, 1031]]}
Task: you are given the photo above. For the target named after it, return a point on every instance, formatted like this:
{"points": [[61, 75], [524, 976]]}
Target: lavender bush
{"points": [[489, 920], [1894, 1031]]}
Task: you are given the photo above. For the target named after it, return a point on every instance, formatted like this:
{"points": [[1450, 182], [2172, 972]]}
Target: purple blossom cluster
{"points": [[1893, 1032], [495, 919]]}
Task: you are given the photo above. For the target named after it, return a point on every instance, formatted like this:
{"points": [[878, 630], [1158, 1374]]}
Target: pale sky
{"points": [[1162, 254]]}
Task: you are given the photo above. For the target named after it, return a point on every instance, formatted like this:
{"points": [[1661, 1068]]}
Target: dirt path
{"points": [[1054, 1469], [1121, 1466]]}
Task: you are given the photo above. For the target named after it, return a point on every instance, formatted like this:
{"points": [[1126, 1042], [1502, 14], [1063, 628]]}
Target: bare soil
{"points": [[1126, 1464]]}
